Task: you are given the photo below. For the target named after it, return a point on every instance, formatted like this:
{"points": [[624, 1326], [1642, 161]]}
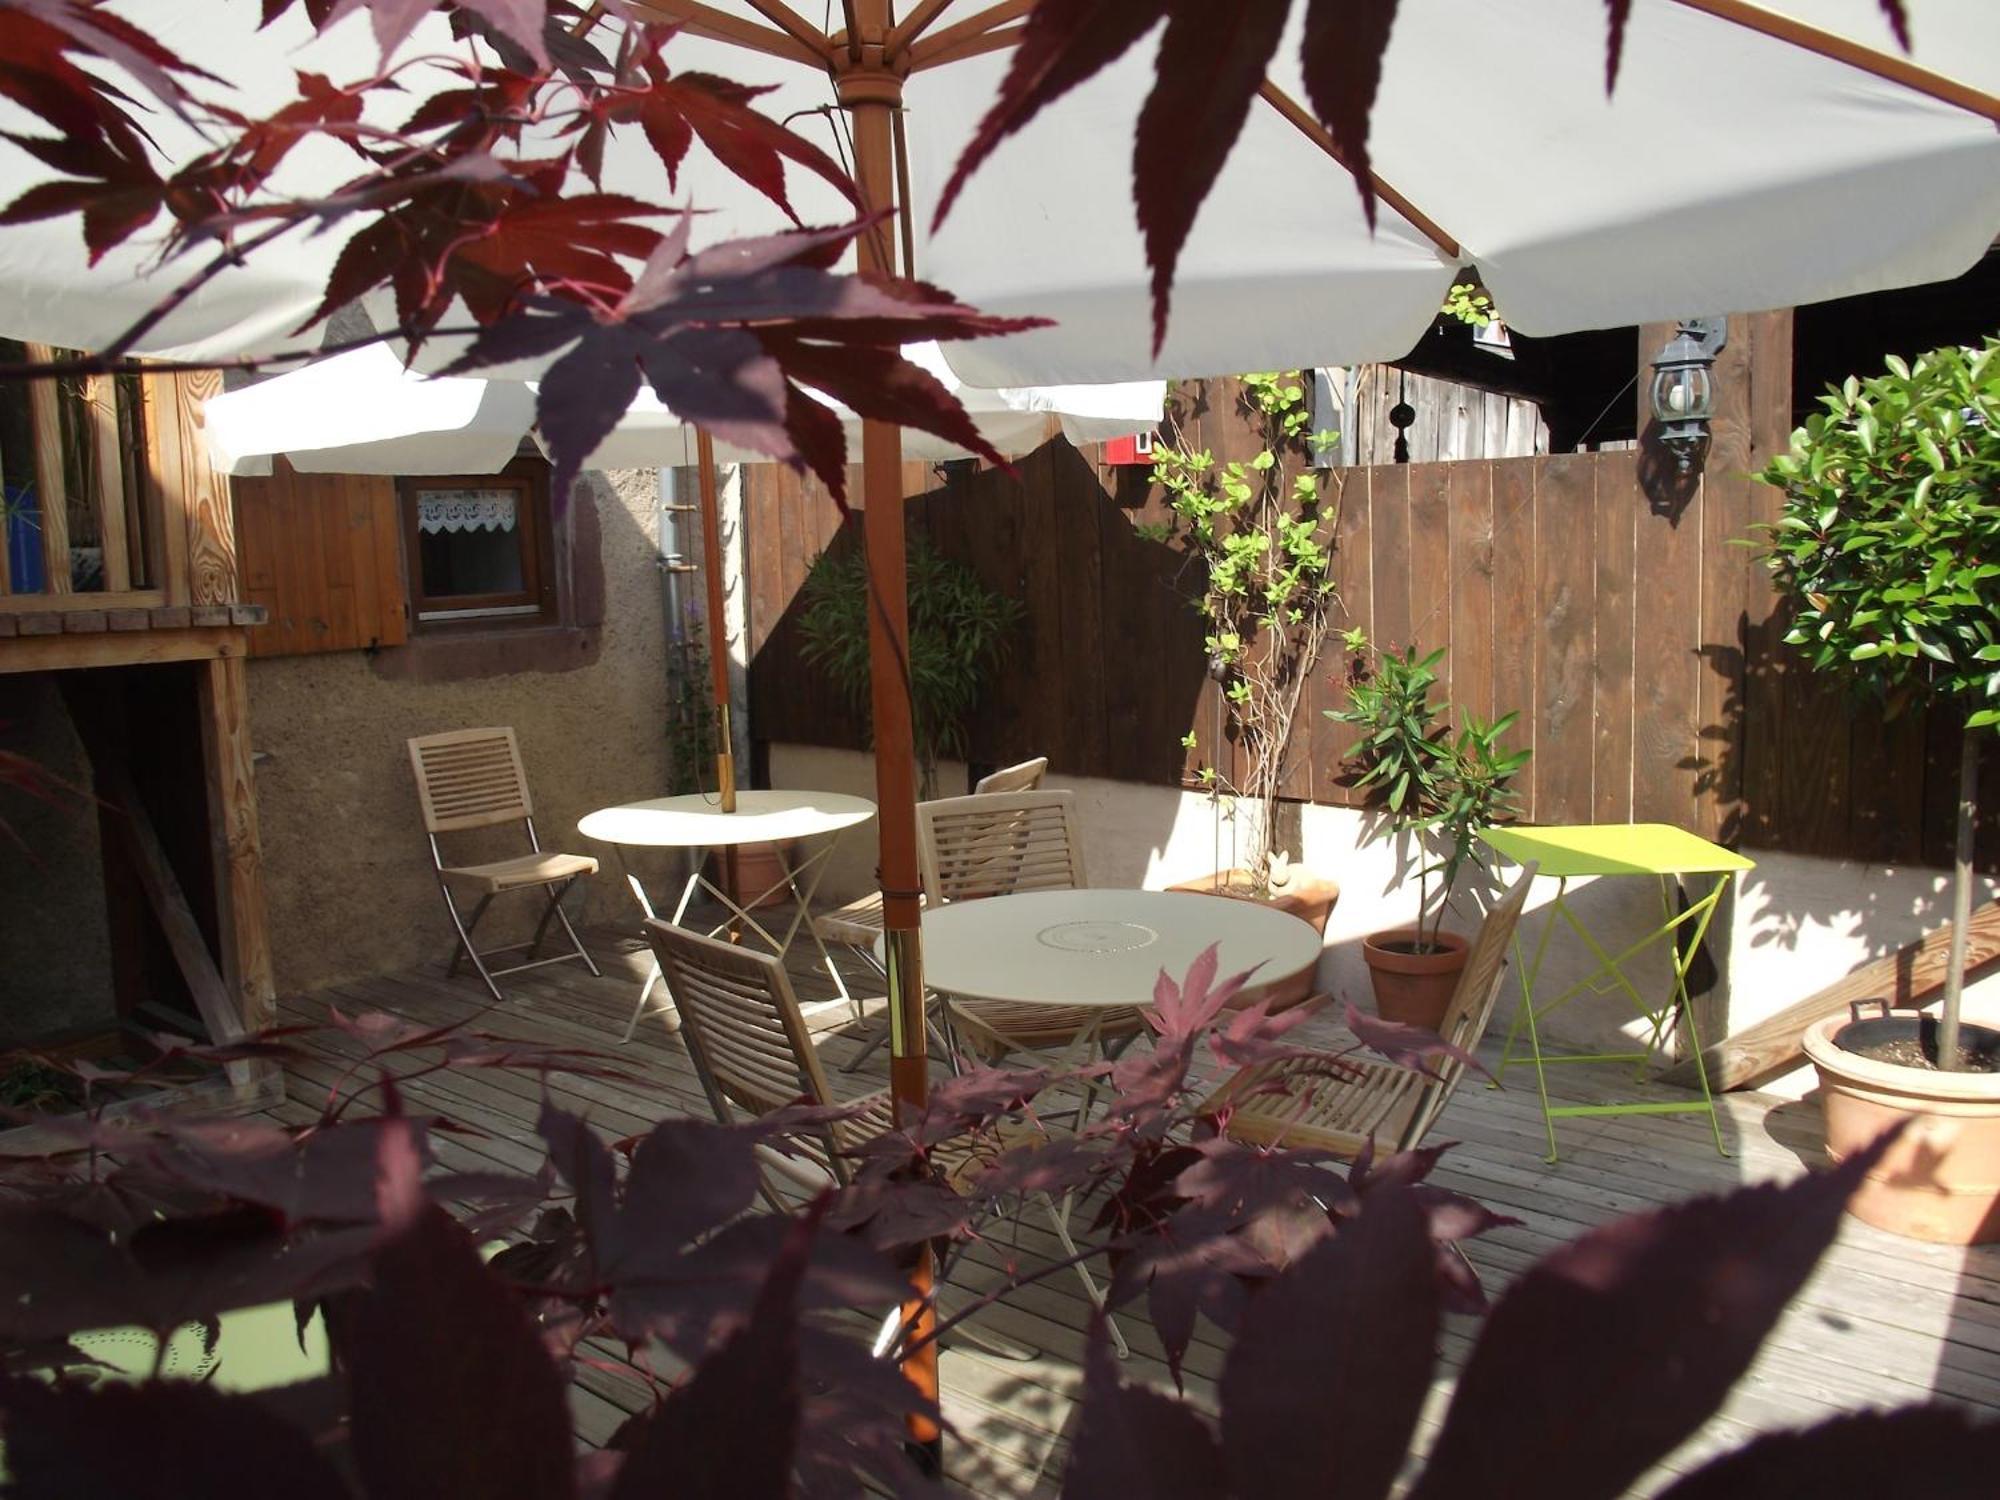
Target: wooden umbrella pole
{"points": [[718, 636], [872, 93]]}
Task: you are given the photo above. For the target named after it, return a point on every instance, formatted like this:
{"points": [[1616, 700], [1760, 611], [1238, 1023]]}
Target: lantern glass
{"points": [[1683, 393]]}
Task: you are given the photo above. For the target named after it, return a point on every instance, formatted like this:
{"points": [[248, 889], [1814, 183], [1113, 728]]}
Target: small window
{"points": [[479, 547]]}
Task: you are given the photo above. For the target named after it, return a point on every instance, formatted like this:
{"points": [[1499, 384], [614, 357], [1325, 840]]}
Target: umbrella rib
{"points": [[706, 21], [781, 15], [1317, 133], [913, 26], [981, 32], [1840, 49]]}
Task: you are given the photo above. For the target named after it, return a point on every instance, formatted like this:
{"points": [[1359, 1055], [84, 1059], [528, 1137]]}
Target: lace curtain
{"points": [[466, 510]]}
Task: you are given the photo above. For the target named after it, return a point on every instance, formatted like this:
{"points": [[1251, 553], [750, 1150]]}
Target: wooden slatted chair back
{"points": [[1024, 777], [470, 778], [999, 844], [739, 1013], [1471, 1008]]}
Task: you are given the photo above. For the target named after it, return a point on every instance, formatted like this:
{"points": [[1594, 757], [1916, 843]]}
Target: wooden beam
{"points": [[1889, 66], [238, 859], [58, 652], [34, 604], [1312, 130], [164, 894], [936, 51], [51, 495], [100, 399], [204, 496], [705, 21], [1909, 978]]}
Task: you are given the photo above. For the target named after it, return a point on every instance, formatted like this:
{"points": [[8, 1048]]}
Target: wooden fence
{"points": [[1615, 607]]}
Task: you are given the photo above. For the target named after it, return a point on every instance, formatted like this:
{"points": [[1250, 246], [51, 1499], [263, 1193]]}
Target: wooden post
{"points": [[107, 481], [164, 441], [871, 90], [241, 923], [52, 498]]}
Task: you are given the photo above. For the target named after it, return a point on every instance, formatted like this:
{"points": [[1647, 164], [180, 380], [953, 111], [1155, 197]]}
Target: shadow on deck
{"points": [[1884, 1322]]}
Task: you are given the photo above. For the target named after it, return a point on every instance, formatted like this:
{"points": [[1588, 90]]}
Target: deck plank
{"points": [[1883, 1321]]}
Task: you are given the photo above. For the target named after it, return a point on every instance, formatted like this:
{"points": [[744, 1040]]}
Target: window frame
{"points": [[535, 603]]}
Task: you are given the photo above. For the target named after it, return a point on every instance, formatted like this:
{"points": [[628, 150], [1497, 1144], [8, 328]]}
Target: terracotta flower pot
{"points": [[1412, 987], [1941, 1181], [1306, 897], [757, 869]]}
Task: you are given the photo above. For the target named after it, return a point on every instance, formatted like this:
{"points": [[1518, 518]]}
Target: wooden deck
{"points": [[1886, 1321]]}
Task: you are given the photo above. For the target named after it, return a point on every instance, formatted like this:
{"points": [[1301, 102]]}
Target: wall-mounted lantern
{"points": [[1683, 395]]}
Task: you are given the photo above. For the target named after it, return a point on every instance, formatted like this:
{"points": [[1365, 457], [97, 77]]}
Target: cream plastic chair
{"points": [[1300, 1103], [1002, 844], [753, 1051], [473, 778]]}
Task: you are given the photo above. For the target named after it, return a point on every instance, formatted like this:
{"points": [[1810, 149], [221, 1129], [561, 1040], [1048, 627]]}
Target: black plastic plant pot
{"points": [[1983, 1042]]}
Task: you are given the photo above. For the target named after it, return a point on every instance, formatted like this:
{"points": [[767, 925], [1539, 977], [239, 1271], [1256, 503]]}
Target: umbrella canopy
{"points": [[362, 412], [1752, 156]]}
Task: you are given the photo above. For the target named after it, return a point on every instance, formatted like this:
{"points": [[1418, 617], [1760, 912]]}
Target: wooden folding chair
{"points": [[753, 1051], [1001, 844], [473, 778], [857, 924], [1299, 1102]]}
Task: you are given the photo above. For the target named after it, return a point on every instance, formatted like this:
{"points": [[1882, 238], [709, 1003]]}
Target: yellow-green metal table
{"points": [[1666, 853]]}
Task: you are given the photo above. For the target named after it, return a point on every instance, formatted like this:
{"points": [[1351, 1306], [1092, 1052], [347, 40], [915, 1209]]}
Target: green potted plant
{"points": [[1263, 531], [1888, 551], [958, 635], [1438, 788]]}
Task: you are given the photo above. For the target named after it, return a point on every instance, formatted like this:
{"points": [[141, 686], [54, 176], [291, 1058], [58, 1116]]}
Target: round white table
{"points": [[1104, 948], [696, 822]]}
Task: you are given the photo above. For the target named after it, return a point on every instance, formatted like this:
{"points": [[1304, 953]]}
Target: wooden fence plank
{"points": [[1514, 654], [1667, 664], [1075, 516], [1471, 584], [1615, 530], [1389, 518], [1565, 499], [1431, 578]]}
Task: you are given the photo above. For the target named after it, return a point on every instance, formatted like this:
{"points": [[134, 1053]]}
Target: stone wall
{"points": [[351, 891]]}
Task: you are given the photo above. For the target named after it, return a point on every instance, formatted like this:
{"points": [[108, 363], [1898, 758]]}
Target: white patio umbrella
{"points": [[1755, 155], [362, 412]]}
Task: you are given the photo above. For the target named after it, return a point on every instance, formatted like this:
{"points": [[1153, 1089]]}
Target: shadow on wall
{"points": [[1108, 645], [1850, 810], [350, 886]]}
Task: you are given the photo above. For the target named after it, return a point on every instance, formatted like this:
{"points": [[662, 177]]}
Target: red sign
{"points": [[1137, 449]]}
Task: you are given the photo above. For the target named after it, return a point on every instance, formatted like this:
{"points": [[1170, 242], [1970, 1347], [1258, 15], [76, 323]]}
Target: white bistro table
{"points": [[1103, 949], [1100, 951], [697, 823]]}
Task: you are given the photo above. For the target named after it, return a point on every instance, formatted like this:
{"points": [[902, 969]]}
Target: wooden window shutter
{"points": [[323, 552]]}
